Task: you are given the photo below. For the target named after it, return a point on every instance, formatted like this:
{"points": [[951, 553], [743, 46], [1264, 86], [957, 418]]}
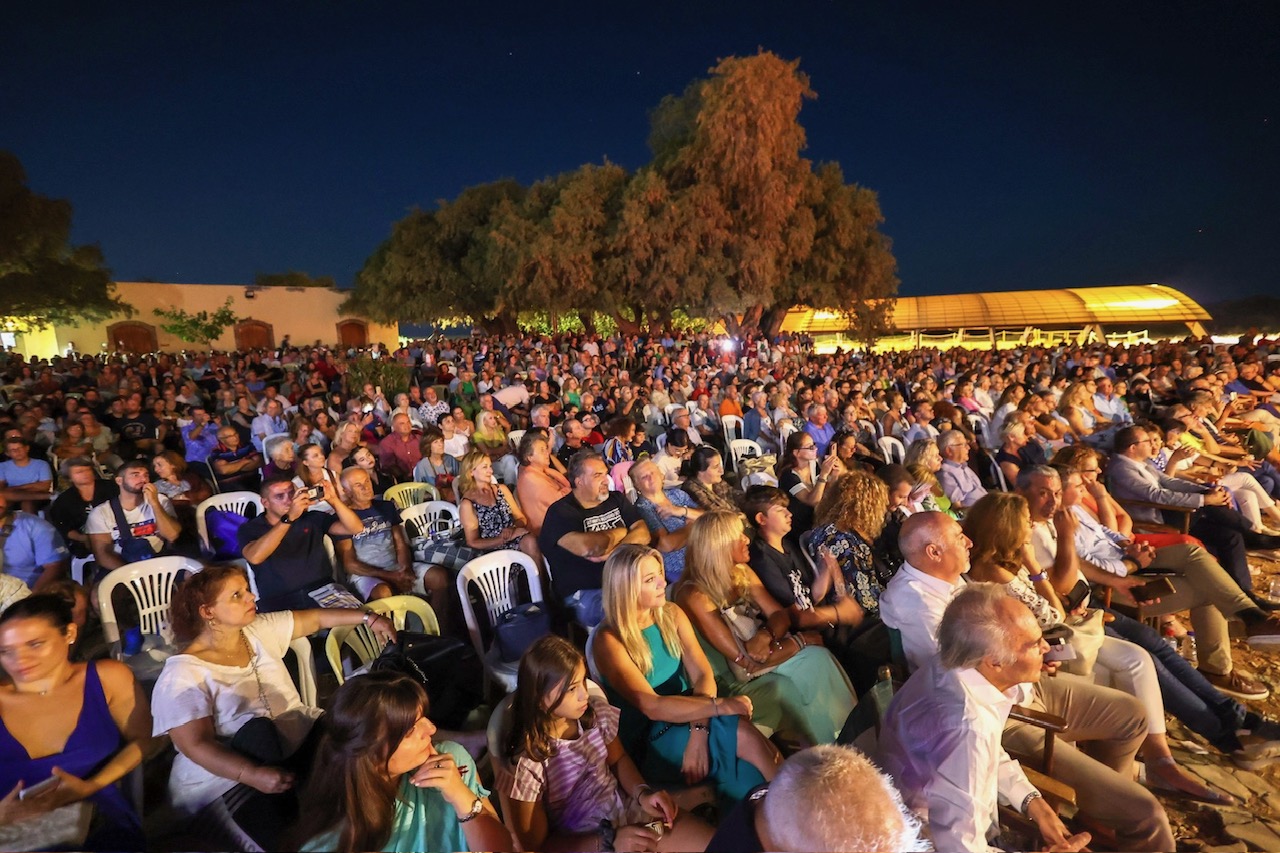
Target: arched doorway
{"points": [[132, 336], [255, 334], [353, 333]]}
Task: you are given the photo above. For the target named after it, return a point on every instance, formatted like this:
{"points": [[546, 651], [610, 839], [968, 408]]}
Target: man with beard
{"points": [[148, 516]]}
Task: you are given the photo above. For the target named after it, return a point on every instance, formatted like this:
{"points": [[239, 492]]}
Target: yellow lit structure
{"points": [[1078, 311]]}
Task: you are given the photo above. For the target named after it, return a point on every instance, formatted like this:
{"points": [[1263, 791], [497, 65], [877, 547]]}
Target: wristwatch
{"points": [[476, 808], [1026, 803], [285, 519]]}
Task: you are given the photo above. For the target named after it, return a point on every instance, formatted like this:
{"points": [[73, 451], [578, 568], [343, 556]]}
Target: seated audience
{"points": [[490, 514], [571, 784], [436, 467], [705, 482], [285, 544], [941, 736], [387, 785], [227, 701], [88, 723], [582, 529], [539, 484], [959, 482], [653, 669], [152, 525], [399, 453], [26, 481], [365, 459], [850, 519], [804, 479], [310, 472], [31, 550], [176, 482], [827, 799], [796, 686], [669, 513], [235, 466]]}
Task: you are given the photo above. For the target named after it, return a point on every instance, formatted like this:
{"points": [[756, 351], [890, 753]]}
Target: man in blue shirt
{"points": [[34, 552], [22, 479], [199, 438]]}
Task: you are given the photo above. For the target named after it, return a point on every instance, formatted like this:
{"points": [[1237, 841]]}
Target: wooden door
{"points": [[255, 334], [132, 336]]}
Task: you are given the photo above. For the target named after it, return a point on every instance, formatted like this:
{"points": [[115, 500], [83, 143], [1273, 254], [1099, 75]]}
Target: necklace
{"points": [[253, 663]]}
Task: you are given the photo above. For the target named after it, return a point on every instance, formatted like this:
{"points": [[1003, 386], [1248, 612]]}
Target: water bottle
{"points": [[1170, 639], [1189, 649], [132, 643]]}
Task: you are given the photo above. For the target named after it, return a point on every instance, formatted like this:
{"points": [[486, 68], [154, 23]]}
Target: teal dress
{"points": [[422, 819], [807, 696], [659, 747]]}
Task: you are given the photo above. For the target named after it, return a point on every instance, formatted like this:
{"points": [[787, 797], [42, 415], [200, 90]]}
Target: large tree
{"points": [[44, 279]]}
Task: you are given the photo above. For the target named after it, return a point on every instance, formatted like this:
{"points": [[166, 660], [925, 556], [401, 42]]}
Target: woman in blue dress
{"points": [[673, 722], [85, 725]]}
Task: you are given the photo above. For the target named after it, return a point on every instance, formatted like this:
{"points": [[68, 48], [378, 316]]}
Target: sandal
{"points": [[1164, 786]]}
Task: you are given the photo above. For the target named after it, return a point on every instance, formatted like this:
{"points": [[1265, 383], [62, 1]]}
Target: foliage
{"points": [[43, 278], [392, 376], [293, 278], [200, 327], [727, 222]]}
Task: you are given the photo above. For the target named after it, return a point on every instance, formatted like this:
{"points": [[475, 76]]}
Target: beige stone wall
{"points": [[304, 314]]}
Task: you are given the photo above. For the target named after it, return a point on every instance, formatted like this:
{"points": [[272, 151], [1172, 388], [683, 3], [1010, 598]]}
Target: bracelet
{"points": [[699, 727], [1037, 578], [800, 643], [715, 707], [1026, 801], [642, 789]]}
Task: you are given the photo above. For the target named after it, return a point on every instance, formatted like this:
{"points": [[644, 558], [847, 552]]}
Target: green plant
{"points": [[391, 376], [200, 327]]}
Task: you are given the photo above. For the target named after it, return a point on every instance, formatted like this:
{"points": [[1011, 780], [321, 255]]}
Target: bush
{"points": [[393, 377]]}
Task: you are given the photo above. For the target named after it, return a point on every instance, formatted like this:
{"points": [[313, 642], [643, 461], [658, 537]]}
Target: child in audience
{"points": [[572, 783]]}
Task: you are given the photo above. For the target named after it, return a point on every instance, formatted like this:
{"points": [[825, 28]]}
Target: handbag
{"points": [[132, 548], [1086, 638], [448, 669], [519, 628], [744, 623]]}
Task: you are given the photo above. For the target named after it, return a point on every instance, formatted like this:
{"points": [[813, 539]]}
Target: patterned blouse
{"points": [[865, 579]]}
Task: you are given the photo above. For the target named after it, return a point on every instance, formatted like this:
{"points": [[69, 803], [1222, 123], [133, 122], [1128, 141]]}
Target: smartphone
{"points": [[1072, 600], [1059, 650], [316, 493], [1158, 588], [39, 788]]}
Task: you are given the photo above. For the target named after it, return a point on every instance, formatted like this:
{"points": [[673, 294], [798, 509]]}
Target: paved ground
{"points": [[1254, 823]]}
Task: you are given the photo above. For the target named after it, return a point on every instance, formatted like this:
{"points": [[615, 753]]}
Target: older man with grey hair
{"points": [[941, 736], [825, 798]]}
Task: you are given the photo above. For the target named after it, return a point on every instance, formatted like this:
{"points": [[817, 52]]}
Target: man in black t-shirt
{"points": [[139, 431], [285, 544], [582, 529]]}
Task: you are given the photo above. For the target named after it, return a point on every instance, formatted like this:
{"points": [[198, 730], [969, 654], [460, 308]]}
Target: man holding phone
{"points": [[285, 544]]}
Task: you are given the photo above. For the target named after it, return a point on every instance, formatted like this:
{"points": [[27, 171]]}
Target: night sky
{"points": [[1015, 145]]}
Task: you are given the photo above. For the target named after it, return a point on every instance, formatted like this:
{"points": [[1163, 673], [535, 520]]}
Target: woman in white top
{"points": [[230, 706], [311, 470]]}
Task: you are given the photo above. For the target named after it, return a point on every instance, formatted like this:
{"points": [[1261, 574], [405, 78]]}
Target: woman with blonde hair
{"points": [[1074, 409], [673, 721], [796, 687], [924, 462], [491, 515], [345, 441], [849, 520]]}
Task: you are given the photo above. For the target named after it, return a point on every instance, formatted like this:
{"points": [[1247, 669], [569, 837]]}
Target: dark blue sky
{"points": [[1040, 144]]}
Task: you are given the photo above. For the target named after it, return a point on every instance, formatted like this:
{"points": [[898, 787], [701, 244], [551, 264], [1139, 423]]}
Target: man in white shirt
{"points": [[937, 554], [270, 422], [1110, 405], [941, 736], [922, 415]]}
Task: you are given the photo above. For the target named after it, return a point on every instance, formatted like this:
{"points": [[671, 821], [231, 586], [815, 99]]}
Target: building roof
{"points": [[1073, 306]]}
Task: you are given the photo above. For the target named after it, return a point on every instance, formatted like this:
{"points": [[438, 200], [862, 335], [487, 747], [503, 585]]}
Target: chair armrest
{"points": [[1041, 719], [1058, 794], [1184, 511]]}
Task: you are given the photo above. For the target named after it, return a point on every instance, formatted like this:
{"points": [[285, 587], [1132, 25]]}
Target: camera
{"points": [[316, 493]]}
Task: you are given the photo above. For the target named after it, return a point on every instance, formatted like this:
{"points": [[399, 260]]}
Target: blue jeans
{"points": [[1187, 694]]}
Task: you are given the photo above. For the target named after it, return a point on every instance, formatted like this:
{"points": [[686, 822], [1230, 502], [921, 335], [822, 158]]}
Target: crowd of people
{"points": [[740, 532]]}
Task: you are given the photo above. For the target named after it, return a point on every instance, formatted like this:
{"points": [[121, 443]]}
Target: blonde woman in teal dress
{"points": [[674, 723], [796, 686]]}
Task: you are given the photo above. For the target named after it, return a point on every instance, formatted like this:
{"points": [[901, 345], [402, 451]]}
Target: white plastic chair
{"points": [[743, 448], [269, 443], [238, 502], [981, 426], [892, 449], [405, 495], [732, 428], [151, 583], [514, 437], [494, 576], [430, 517], [671, 407], [785, 430]]}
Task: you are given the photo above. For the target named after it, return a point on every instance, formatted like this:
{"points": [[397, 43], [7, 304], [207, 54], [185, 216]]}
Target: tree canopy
{"points": [[43, 278], [202, 327], [728, 221]]}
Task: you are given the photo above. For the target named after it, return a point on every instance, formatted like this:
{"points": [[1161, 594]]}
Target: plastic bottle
{"points": [[1189, 649], [1170, 638]]}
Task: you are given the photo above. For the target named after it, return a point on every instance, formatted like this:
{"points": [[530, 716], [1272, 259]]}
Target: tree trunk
{"points": [[771, 321], [751, 319], [588, 322], [625, 326], [731, 323]]}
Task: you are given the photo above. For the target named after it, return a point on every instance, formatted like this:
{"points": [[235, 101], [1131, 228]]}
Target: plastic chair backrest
{"points": [[514, 437], [744, 448], [430, 517], [269, 443], [494, 576], [785, 430], [671, 407], [230, 501], [362, 641], [732, 426], [806, 539], [151, 583], [405, 495], [892, 449]]}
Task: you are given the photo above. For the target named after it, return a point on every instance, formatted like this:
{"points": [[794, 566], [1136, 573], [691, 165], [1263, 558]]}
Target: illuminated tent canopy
{"points": [[1077, 307]]}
